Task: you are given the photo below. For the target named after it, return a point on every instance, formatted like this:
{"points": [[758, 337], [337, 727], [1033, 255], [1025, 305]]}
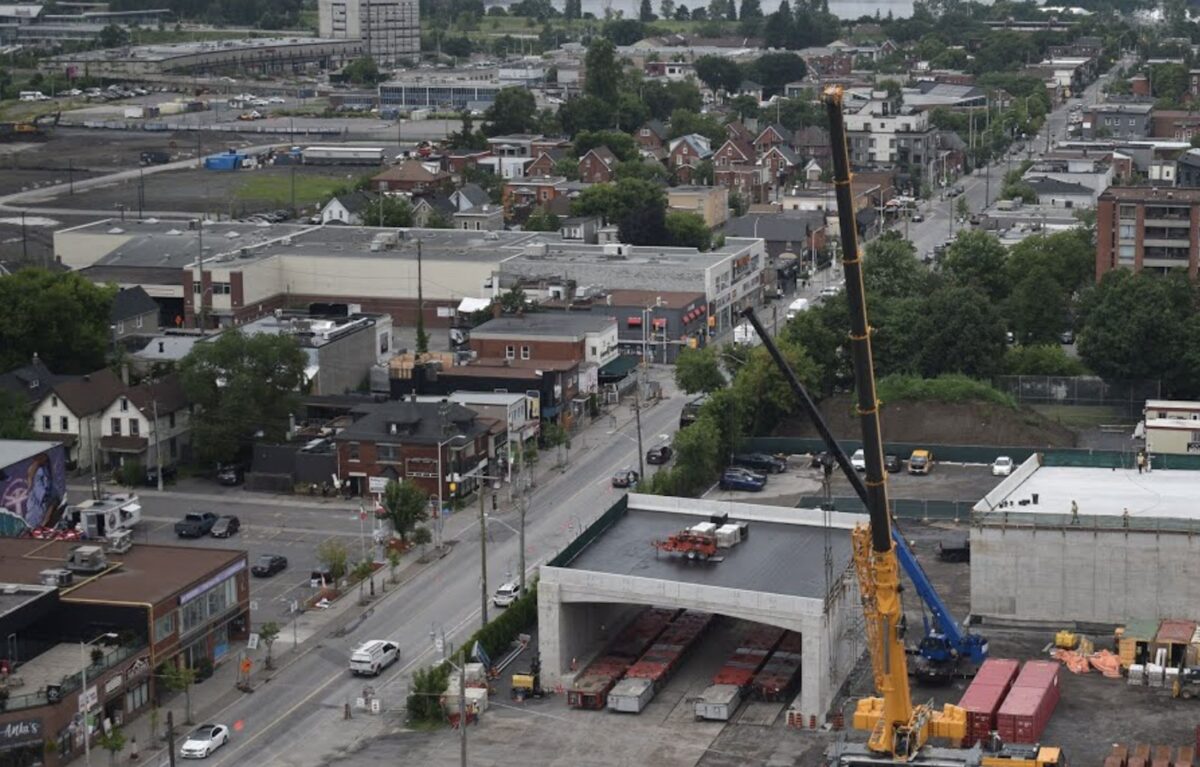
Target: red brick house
{"points": [[686, 152], [458, 160], [652, 136], [738, 131], [749, 181], [772, 135], [781, 163], [419, 442], [733, 152], [598, 166], [545, 162], [530, 192], [547, 144]]}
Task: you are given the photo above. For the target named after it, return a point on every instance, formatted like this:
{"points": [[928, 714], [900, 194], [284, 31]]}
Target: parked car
{"points": [[916, 218], [197, 524], [373, 656], [761, 462], [859, 460], [320, 578], [625, 478], [269, 564], [892, 463], [204, 740], [920, 462], [659, 455], [1067, 337], [168, 474], [740, 479], [230, 474], [1002, 466], [829, 291], [226, 526], [506, 594]]}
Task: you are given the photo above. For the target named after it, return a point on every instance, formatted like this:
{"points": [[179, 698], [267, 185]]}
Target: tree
{"points": [[467, 137], [637, 207], [603, 71], [362, 71], [684, 122], [1041, 360], [393, 556], [178, 678], [113, 742], [362, 571], [438, 220], [962, 208], [962, 333], [245, 386], [891, 268], [405, 505], [460, 46], [386, 211], [513, 300], [624, 31], [976, 259], [333, 555], [779, 30], [688, 230], [34, 320], [267, 634], [767, 393], [113, 36], [1142, 326], [541, 221], [14, 416], [420, 537], [646, 13], [666, 9], [719, 73], [425, 693], [1037, 308], [775, 70], [751, 9], [1068, 257], [513, 111], [699, 370]]}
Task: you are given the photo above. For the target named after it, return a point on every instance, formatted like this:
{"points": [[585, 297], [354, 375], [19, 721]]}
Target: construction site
{"points": [[1050, 628]]}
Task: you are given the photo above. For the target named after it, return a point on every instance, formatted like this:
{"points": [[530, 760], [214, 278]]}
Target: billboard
{"points": [[32, 491]]}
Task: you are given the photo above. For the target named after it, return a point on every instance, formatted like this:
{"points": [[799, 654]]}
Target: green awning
{"points": [[618, 368]]}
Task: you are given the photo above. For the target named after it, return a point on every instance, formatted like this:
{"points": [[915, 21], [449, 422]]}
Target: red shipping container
{"points": [[981, 703], [1024, 714], [1038, 674], [997, 672]]}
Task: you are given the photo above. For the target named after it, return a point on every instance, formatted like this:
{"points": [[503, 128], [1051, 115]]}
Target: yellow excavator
{"points": [[900, 731]]}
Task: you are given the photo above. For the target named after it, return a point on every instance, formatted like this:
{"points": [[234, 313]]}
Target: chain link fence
{"points": [[1127, 397]]}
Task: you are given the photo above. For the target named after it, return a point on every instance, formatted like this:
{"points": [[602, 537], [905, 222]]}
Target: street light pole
{"points": [[83, 694], [483, 587]]}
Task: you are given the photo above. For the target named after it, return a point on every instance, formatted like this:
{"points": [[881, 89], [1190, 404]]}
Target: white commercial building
{"points": [[390, 29]]}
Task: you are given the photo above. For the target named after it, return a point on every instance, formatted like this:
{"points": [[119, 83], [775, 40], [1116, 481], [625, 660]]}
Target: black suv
{"points": [[762, 462]]}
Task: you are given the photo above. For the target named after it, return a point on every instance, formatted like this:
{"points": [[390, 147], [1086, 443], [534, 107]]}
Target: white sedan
{"points": [[859, 460], [204, 740], [1002, 466]]}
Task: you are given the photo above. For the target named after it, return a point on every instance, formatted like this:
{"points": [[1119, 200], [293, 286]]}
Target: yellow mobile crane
{"points": [[900, 730]]}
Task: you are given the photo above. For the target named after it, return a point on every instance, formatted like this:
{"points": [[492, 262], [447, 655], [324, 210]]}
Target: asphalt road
{"points": [[297, 720], [982, 186]]}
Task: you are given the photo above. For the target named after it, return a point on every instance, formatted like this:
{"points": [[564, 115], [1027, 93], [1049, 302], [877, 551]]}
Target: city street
{"points": [[296, 717]]}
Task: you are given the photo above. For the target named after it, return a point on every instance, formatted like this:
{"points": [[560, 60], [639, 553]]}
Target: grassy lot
{"points": [[275, 185], [1081, 416]]}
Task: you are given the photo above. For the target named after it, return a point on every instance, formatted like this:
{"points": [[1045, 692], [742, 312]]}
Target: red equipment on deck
{"points": [[690, 543]]}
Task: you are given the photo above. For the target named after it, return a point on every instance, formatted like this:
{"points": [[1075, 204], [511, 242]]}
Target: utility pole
{"points": [[483, 586], [522, 503], [141, 191], [24, 239], [637, 412], [171, 737], [157, 447], [462, 713], [293, 167]]}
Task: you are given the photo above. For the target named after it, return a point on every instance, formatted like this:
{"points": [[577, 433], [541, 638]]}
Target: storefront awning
{"points": [[617, 369]]}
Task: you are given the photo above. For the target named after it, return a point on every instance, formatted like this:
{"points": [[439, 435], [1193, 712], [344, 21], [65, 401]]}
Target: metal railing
{"points": [[71, 682]]}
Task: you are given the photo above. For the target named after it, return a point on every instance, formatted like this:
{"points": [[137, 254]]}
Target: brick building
{"points": [[1147, 228], [406, 440], [538, 337]]}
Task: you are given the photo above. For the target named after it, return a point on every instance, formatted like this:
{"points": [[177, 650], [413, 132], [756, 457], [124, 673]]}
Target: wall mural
{"points": [[32, 492]]}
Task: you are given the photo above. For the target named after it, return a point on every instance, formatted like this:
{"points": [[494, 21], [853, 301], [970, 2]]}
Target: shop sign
{"points": [[21, 731], [113, 684], [140, 666]]}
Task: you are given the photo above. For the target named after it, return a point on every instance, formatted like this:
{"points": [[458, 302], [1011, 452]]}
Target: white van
{"points": [[373, 656], [33, 96], [797, 306]]}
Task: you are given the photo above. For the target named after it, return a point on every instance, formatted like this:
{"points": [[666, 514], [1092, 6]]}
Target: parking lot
{"points": [[946, 482], [269, 525]]}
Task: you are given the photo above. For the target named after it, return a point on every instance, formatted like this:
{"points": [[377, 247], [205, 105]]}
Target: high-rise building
{"points": [[391, 29]]}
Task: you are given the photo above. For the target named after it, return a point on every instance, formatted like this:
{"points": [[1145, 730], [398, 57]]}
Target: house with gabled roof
{"points": [[781, 163], [546, 161], [145, 424], [772, 135], [347, 208], [70, 413], [412, 176], [734, 151], [685, 153], [651, 136], [598, 165]]}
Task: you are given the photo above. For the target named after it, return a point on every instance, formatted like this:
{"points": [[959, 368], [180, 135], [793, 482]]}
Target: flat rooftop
{"points": [[14, 596], [166, 51], [15, 450], [1157, 494], [146, 573], [776, 557]]}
